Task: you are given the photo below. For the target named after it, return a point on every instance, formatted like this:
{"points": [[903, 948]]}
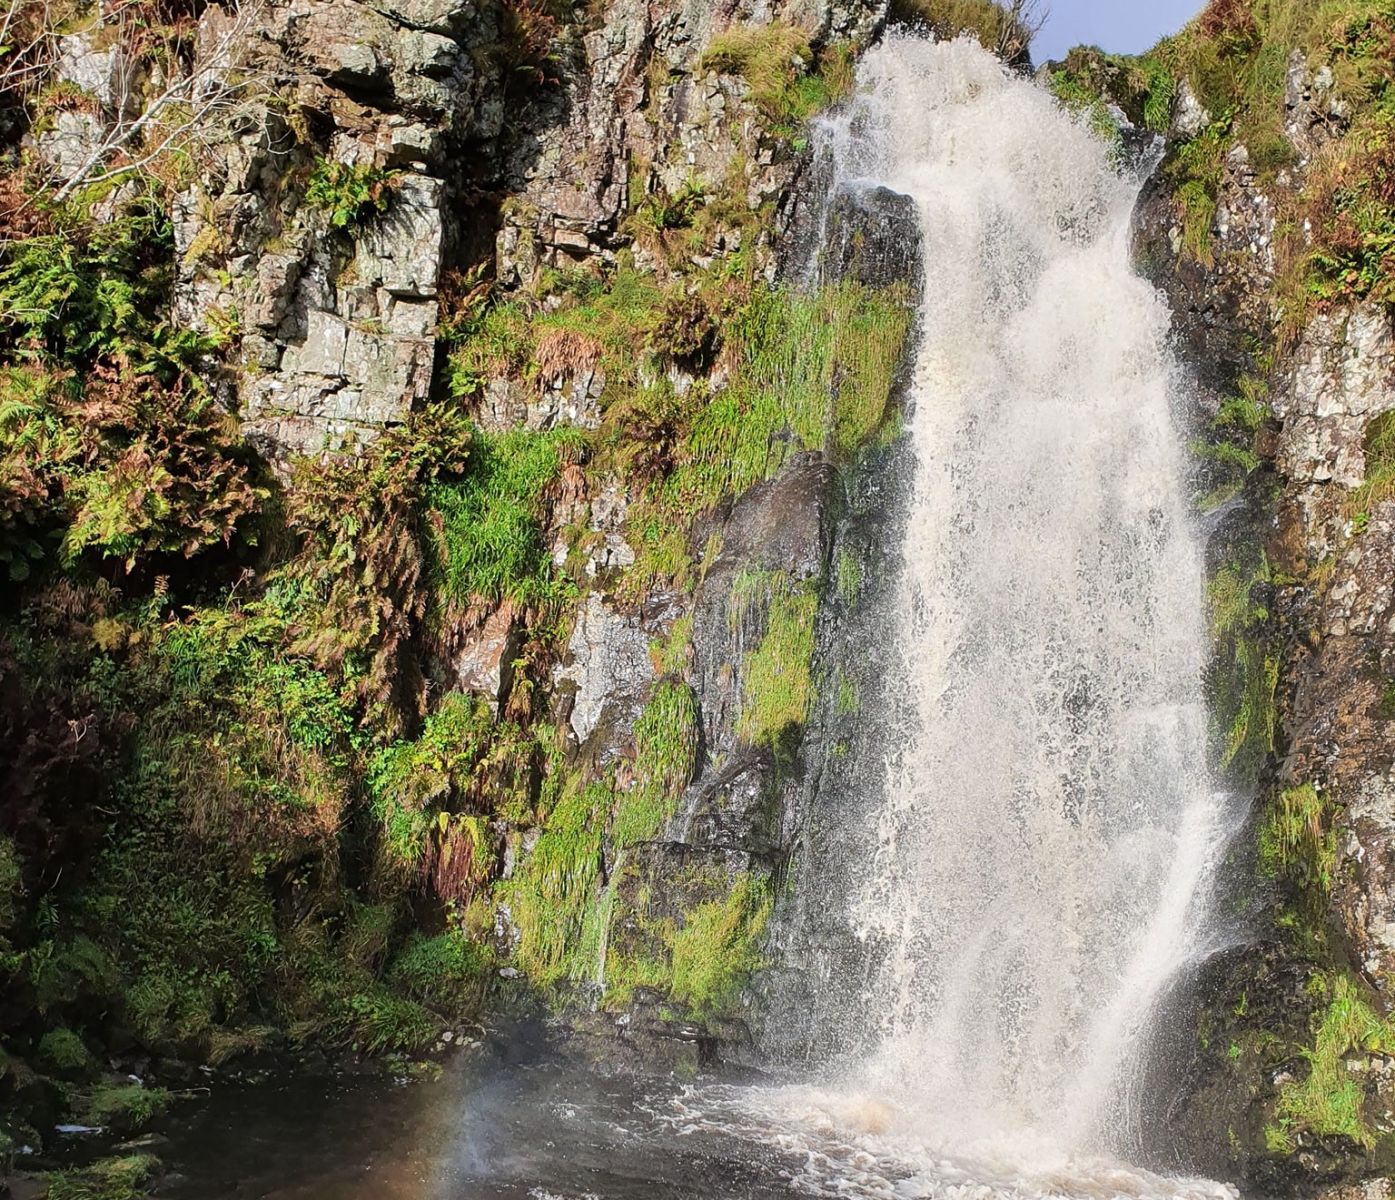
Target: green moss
{"points": [[1195, 170], [777, 682], [1143, 87], [1328, 1101], [870, 344], [816, 372], [849, 577], [718, 947], [848, 702], [666, 748], [552, 895], [672, 655], [1230, 443], [1297, 841], [699, 949]]}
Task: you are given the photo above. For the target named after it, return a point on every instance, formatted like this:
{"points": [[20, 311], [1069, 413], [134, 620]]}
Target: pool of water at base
{"points": [[500, 1124]]}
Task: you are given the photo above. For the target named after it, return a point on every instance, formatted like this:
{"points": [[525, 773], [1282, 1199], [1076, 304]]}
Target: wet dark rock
{"points": [[779, 525], [872, 237], [739, 806]]}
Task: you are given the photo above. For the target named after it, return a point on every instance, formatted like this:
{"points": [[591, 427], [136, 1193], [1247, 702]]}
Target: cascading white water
{"points": [[1040, 867]]}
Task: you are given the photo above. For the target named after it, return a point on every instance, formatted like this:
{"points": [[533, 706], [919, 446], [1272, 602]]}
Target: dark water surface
{"points": [[503, 1121], [513, 1119]]}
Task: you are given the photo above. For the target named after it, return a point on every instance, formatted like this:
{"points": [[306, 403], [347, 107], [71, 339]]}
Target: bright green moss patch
{"points": [[554, 891], [718, 947], [1329, 1101], [671, 655], [1298, 842], [1230, 444], [666, 747], [556, 899], [816, 371], [777, 680], [700, 950], [1089, 81]]}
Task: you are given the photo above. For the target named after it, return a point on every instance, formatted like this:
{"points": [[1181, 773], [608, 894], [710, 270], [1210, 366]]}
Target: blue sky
{"points": [[1122, 26]]}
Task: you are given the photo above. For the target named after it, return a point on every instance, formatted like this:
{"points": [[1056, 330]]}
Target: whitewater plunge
{"points": [[1034, 870]]}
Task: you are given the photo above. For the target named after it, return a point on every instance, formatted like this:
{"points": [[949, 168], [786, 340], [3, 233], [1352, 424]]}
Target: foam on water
{"points": [[837, 1144]]}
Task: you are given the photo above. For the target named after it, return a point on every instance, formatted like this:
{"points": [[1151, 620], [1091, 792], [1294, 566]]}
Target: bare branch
{"points": [[1022, 21], [191, 108]]}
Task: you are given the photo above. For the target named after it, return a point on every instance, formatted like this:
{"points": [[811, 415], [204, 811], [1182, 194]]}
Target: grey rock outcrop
{"points": [[337, 321]]}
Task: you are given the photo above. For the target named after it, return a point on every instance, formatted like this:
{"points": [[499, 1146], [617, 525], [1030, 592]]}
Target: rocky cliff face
{"points": [[337, 318], [492, 687], [1289, 1084]]}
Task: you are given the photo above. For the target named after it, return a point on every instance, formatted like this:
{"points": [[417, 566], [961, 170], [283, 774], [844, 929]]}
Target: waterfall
{"points": [[1037, 861]]}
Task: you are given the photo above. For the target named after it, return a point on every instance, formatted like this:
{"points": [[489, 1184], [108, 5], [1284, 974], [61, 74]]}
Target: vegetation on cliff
{"points": [[1275, 199], [251, 796]]}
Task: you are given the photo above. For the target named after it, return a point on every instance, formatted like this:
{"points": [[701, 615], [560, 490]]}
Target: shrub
{"points": [[107, 440], [376, 1022], [449, 973], [529, 37], [124, 1107], [11, 883], [361, 558], [63, 1051], [97, 291], [417, 788], [122, 1178]]}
